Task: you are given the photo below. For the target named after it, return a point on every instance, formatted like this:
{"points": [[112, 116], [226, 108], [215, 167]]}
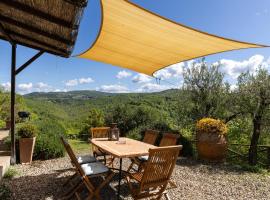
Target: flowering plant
{"points": [[211, 126]]}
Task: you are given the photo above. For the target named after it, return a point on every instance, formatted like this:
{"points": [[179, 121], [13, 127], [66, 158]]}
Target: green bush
{"points": [[2, 124], [94, 119], [135, 133], [48, 144], [187, 150], [10, 173], [27, 131]]}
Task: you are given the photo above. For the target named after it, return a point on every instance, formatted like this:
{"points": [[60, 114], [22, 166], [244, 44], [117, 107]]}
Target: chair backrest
{"points": [[99, 132], [76, 164], [150, 136], [72, 156], [159, 166], [168, 139]]}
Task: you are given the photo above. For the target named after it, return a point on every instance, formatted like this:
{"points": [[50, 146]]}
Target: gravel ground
{"points": [[44, 179]]}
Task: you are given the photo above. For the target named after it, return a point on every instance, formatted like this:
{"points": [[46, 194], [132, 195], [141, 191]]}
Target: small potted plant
{"points": [[27, 133], [211, 139]]}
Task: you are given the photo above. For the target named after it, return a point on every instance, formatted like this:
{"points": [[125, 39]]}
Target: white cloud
{"points": [[175, 70], [75, 82], [71, 83], [113, 88], [60, 90], [85, 80], [234, 68], [123, 74], [25, 88], [153, 87], [141, 78], [6, 86], [42, 85]]}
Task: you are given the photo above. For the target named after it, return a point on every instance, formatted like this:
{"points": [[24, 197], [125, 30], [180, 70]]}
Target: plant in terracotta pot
{"points": [[211, 139], [27, 133]]}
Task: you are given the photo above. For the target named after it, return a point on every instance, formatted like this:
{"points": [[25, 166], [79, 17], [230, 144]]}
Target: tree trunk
{"points": [[252, 157]]}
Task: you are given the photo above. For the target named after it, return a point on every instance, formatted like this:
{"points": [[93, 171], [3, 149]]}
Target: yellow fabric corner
{"points": [[134, 38]]}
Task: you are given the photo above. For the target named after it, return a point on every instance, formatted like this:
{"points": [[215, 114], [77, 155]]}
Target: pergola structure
{"points": [[130, 37], [49, 26]]}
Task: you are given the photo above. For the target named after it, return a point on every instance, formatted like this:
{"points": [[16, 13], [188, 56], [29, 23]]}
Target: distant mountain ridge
{"points": [[87, 94]]}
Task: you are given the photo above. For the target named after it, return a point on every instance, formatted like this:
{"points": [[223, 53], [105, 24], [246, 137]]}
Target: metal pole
{"points": [[119, 180], [12, 104]]}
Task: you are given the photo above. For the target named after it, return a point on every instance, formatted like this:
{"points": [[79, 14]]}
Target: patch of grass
{"points": [[80, 146], [5, 193], [11, 173]]}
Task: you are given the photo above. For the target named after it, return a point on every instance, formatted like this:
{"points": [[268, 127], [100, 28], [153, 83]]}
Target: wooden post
{"points": [[12, 104], [268, 156]]}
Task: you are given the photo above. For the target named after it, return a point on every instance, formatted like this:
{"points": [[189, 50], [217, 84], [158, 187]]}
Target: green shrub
{"points": [[10, 173], [27, 131], [135, 134], [187, 150], [48, 144], [94, 119], [2, 124]]}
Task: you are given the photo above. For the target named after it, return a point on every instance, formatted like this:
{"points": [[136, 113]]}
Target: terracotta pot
{"points": [[26, 149], [211, 147]]}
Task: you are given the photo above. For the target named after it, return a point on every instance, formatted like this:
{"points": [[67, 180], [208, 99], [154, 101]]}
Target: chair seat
{"points": [[86, 159], [143, 158], [94, 168]]}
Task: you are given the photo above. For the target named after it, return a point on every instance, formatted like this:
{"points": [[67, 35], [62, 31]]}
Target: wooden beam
{"points": [[77, 3], [37, 41], [28, 62], [5, 32], [38, 13], [38, 48], [36, 30]]}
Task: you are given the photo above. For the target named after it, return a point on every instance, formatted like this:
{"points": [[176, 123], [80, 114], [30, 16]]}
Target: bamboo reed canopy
{"points": [[134, 38], [46, 25]]}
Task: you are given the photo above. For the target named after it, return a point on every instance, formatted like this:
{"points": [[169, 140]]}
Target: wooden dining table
{"points": [[124, 148]]}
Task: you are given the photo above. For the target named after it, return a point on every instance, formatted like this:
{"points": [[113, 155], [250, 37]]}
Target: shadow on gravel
{"points": [[50, 186], [209, 166]]}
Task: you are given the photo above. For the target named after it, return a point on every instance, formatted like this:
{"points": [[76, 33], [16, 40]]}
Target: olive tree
{"points": [[206, 93], [253, 94]]}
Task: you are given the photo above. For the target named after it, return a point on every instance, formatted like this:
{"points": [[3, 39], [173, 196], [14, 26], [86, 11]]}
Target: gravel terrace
{"points": [[44, 179]]}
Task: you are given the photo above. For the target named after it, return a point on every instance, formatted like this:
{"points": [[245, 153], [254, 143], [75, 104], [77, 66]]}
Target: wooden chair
{"points": [[150, 137], [85, 172], [101, 132], [152, 182], [168, 139]]}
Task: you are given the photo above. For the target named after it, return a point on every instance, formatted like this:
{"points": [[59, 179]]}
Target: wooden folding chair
{"points": [[101, 132], [168, 139], [150, 137], [82, 159], [152, 182], [85, 172]]}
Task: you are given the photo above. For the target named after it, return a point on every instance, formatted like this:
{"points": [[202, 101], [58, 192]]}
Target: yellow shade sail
{"points": [[134, 38]]}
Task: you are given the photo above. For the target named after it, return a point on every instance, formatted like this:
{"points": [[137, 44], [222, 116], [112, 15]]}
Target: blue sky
{"points": [[245, 20]]}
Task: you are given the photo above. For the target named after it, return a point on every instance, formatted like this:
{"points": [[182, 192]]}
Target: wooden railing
{"points": [[244, 157], [261, 149]]}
